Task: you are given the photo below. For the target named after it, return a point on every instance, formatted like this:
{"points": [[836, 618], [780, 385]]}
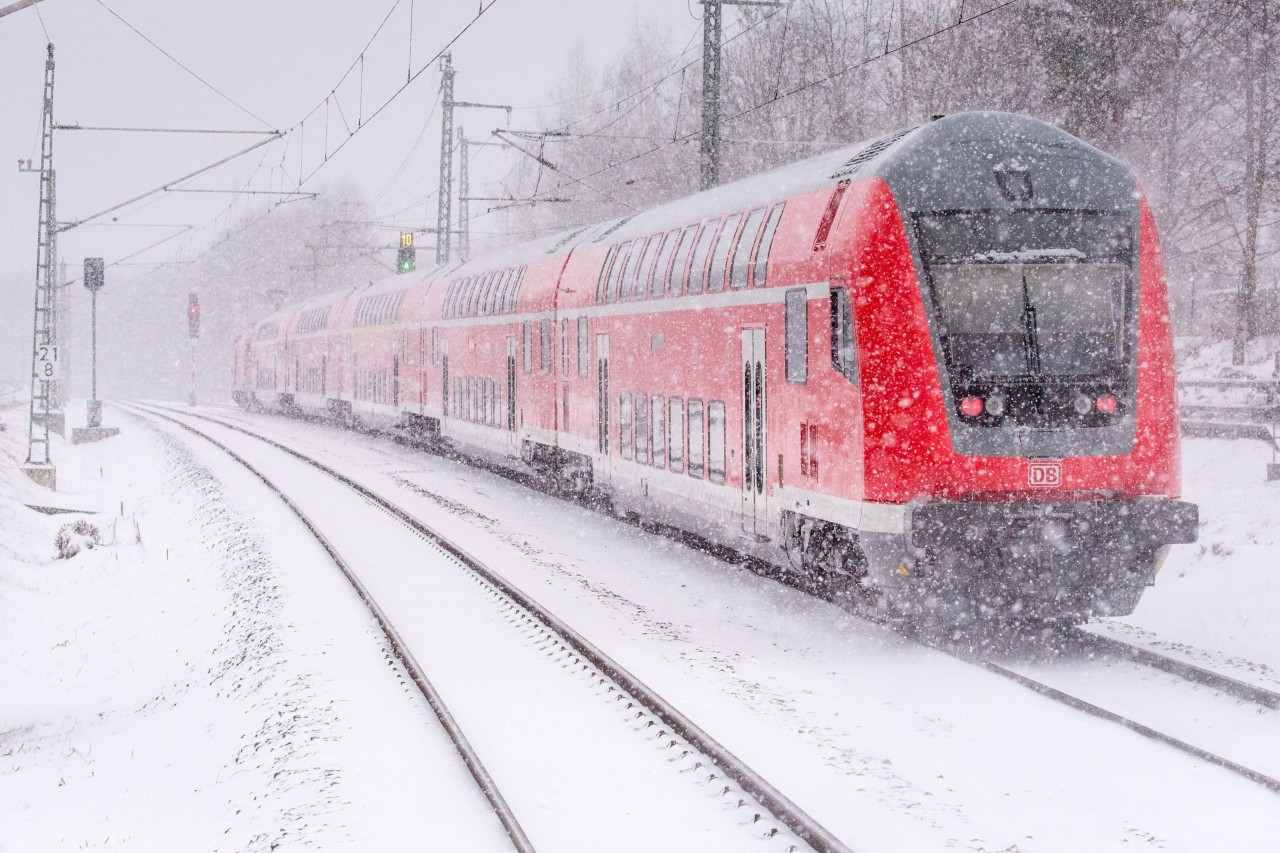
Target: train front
{"points": [[1018, 382]]}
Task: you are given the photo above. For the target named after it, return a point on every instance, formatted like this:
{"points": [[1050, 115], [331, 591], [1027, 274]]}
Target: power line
{"points": [[174, 59]]}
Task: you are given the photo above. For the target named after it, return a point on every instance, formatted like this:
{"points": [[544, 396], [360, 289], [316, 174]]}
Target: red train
{"points": [[937, 364]]}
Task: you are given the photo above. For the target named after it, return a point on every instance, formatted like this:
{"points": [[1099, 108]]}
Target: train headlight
{"points": [[971, 406], [1082, 404], [1106, 404], [995, 405]]}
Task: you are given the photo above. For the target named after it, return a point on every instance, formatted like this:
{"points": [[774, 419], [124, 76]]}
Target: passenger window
{"points": [[435, 345], [659, 432], [715, 441], [646, 267], [675, 444], [741, 269], [498, 295], [602, 284], [642, 429], [677, 280], [720, 258], [584, 366], [695, 438], [766, 241], [528, 347], [615, 273], [626, 289], [844, 341], [545, 342], [661, 267], [797, 336], [513, 290], [697, 271], [624, 424]]}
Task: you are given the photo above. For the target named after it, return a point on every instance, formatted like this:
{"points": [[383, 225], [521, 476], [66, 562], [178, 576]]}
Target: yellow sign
{"points": [[406, 240]]}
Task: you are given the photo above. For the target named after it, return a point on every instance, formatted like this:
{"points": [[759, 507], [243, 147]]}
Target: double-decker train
{"points": [[936, 367]]}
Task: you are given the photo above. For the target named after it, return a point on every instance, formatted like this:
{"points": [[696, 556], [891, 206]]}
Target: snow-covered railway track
{"points": [[745, 801], [1111, 680]]}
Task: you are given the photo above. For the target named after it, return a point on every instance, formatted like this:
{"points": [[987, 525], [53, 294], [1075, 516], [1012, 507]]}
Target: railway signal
{"points": [[406, 259], [94, 278]]}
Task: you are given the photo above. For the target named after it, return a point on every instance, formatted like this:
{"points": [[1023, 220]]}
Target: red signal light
{"points": [[1106, 404], [971, 406]]}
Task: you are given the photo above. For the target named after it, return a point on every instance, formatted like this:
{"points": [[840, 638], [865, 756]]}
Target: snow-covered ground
{"points": [[890, 745], [205, 679]]}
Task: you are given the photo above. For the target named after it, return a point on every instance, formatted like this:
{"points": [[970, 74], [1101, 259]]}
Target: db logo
{"points": [[1043, 475]]}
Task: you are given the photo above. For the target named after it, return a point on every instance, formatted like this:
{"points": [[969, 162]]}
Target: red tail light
{"points": [[971, 406], [1106, 404]]}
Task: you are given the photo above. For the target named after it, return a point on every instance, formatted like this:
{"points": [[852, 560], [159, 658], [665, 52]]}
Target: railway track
{"points": [[1036, 662], [758, 807]]}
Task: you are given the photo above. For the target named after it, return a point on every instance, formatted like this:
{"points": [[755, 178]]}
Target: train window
{"points": [[720, 257], [697, 270], [695, 438], [512, 289], [642, 428], [615, 273], [766, 242], [584, 355], [646, 266], [626, 287], [528, 347], [624, 424], [564, 347], [659, 443], [482, 294], [741, 268], [676, 281], [715, 441], [797, 336], [493, 402], [493, 301], [544, 341], [675, 442], [435, 345], [602, 284], [662, 259], [844, 341]]}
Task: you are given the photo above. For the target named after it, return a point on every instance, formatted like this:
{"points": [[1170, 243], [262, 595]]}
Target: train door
{"points": [[754, 448], [511, 385], [444, 386], [602, 406]]}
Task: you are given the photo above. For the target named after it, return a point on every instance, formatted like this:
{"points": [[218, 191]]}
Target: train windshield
{"points": [[1029, 293]]}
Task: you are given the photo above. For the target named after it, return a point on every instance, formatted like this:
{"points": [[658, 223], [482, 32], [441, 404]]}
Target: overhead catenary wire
{"points": [[180, 64]]}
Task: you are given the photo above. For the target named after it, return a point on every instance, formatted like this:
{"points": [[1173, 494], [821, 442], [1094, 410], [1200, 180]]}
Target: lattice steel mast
{"points": [[43, 341]]}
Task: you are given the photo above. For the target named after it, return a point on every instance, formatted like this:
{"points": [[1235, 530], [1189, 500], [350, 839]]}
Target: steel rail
{"points": [[1182, 669], [463, 746], [778, 804], [1064, 698]]}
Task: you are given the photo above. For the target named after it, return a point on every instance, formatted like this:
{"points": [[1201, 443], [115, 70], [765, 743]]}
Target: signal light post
{"points": [[94, 279]]}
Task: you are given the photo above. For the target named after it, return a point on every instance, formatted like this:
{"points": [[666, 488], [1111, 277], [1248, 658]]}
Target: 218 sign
{"points": [[46, 363]]}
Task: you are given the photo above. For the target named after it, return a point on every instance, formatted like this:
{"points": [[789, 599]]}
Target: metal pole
{"points": [[446, 160], [712, 18], [46, 285], [191, 400], [464, 191], [94, 334]]}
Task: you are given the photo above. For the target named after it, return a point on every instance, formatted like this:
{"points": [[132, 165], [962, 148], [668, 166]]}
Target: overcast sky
{"points": [[274, 61]]}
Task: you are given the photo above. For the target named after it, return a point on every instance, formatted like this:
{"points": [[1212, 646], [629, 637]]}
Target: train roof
{"points": [[909, 157]]}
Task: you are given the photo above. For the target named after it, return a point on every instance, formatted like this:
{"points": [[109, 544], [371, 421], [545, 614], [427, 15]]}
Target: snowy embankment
{"points": [[204, 679]]}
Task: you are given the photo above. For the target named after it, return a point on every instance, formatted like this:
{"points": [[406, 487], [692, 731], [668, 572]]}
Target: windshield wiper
{"points": [[1030, 336]]}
